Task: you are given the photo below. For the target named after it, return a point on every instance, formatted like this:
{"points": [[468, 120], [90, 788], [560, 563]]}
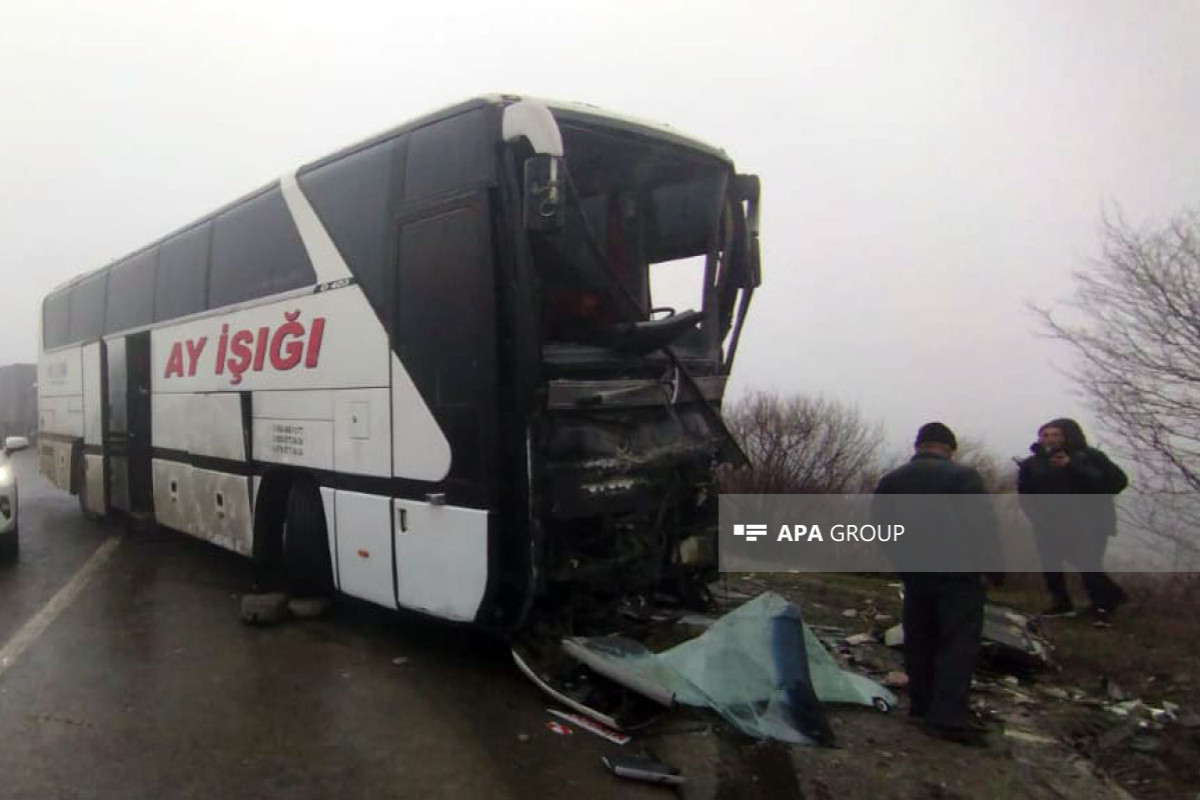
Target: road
{"points": [[137, 680]]}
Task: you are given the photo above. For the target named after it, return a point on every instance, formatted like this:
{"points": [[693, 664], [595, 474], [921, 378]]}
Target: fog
{"points": [[928, 169]]}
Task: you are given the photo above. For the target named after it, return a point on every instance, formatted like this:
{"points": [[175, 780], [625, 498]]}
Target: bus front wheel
{"points": [[306, 542]]}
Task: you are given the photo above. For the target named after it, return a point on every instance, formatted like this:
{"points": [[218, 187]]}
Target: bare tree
{"points": [[1134, 322], [999, 475], [802, 445]]}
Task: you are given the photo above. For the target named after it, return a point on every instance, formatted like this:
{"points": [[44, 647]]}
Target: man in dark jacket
{"points": [[1069, 529], [943, 611]]}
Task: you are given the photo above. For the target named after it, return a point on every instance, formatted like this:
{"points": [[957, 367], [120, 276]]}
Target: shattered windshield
{"points": [[641, 229]]}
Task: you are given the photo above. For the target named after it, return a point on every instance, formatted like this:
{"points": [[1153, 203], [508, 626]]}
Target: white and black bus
{"points": [[429, 370]]}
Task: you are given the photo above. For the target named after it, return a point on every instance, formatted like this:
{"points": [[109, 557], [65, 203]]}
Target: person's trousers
{"points": [[943, 623], [1085, 553]]}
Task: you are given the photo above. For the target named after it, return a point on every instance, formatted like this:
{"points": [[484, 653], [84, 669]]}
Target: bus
{"points": [[429, 370]]}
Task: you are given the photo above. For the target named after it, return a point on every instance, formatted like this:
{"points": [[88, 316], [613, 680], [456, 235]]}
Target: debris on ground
{"points": [[1010, 640], [400, 661], [554, 726], [591, 726], [649, 770], [859, 638], [1027, 737], [759, 667]]}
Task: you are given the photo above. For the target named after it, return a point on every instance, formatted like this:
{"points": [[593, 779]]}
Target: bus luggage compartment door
{"points": [[441, 558]]}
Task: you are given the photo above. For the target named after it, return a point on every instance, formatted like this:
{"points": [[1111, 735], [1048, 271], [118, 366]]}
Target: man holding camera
{"points": [[1072, 529]]}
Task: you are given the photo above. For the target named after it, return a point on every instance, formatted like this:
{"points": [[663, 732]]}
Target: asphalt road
{"points": [[143, 683]]}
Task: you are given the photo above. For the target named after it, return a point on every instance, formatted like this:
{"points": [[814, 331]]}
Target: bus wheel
{"points": [[306, 542]]}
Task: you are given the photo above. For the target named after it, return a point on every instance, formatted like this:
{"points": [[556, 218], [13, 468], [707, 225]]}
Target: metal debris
{"points": [[1027, 737], [643, 769]]}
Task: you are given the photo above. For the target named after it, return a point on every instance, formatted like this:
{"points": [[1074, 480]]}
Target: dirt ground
{"points": [[1053, 732]]}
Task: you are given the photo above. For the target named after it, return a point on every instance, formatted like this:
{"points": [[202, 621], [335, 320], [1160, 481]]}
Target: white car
{"points": [[8, 497]]}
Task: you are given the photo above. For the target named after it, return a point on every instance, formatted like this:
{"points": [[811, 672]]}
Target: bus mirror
{"points": [[544, 193]]}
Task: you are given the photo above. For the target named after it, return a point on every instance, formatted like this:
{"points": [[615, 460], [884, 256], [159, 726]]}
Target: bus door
{"points": [[127, 427]]}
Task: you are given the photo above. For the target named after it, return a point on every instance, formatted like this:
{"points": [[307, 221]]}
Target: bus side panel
{"points": [[93, 396], [60, 412], [215, 427], [172, 493], [441, 558], [364, 547], [218, 510]]}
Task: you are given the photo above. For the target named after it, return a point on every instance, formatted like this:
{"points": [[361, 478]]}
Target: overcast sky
{"points": [[928, 168]]}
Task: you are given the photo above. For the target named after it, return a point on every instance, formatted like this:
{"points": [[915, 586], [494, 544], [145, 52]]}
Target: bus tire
{"points": [[306, 542]]}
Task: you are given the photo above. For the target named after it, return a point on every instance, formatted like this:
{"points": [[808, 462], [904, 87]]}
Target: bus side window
{"points": [[350, 195], [131, 293], [87, 307], [55, 323], [256, 251], [179, 287], [450, 155]]}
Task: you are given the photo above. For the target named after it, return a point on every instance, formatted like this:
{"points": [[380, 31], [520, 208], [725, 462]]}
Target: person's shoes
{"points": [[968, 735], [1059, 610]]}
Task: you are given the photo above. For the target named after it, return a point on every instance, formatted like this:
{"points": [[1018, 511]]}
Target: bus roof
{"points": [[566, 111]]}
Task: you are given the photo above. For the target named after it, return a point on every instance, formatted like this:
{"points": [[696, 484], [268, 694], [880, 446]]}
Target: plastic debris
{"points": [[643, 769], [859, 638], [759, 667], [554, 726], [894, 637], [399, 661], [591, 726]]}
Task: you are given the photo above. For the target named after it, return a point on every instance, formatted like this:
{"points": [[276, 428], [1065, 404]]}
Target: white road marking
{"points": [[35, 627]]}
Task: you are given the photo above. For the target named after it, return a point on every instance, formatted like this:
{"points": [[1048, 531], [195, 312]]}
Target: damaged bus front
{"points": [[620, 220]]}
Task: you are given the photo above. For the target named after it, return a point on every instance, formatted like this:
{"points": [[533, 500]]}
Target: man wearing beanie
{"points": [[943, 611]]}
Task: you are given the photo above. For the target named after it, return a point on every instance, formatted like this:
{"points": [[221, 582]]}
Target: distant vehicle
{"points": [[9, 543], [433, 370], [18, 400]]}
